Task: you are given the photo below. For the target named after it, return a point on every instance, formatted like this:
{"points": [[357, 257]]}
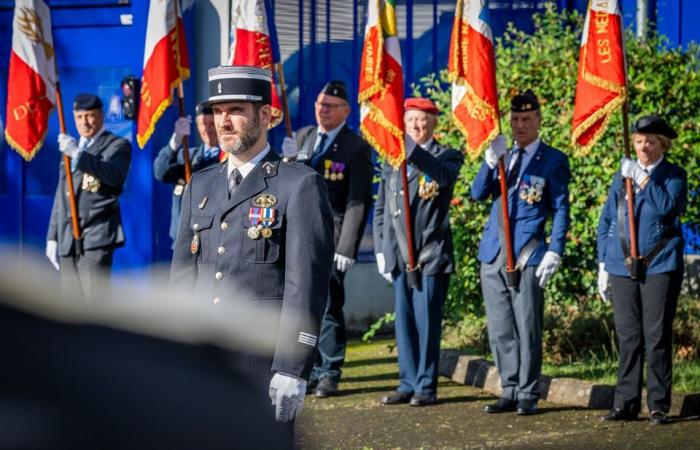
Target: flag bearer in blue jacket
{"points": [[537, 178]]}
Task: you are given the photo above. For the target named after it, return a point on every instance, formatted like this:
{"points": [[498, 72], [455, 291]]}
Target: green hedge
{"points": [[662, 80]]}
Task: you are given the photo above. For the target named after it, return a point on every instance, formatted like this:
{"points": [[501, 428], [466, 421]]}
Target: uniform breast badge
{"points": [[194, 245], [203, 203], [90, 183], [427, 187], [265, 201], [531, 189]]}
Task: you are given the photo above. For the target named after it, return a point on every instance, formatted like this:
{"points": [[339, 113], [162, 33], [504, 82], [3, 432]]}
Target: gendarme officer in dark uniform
{"points": [[99, 163], [169, 165], [345, 162], [432, 174], [256, 237], [537, 178]]}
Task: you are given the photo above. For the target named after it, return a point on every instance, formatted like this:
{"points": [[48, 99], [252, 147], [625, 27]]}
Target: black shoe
{"points": [[326, 387], [423, 400], [311, 385], [617, 414], [502, 405], [658, 418], [527, 407], [396, 398]]}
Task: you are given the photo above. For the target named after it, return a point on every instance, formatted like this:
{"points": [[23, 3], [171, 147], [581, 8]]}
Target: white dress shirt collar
{"points": [[246, 167]]}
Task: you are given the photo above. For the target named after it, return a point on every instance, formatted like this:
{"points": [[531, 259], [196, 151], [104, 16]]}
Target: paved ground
{"points": [[356, 419]]}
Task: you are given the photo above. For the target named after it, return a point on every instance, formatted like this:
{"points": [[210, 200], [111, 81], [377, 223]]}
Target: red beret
{"points": [[422, 104]]}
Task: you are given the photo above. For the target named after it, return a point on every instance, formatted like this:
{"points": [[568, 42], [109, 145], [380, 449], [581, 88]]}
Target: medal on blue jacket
{"points": [[268, 218], [427, 187], [255, 217]]}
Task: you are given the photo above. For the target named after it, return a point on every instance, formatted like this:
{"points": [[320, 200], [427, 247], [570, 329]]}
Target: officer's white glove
{"points": [[343, 263], [287, 395], [67, 145], [289, 145], [603, 279], [182, 129], [549, 264], [495, 151], [381, 267], [630, 169], [52, 253]]}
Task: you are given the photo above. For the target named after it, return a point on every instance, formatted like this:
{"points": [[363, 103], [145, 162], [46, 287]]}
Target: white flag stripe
{"points": [[32, 39]]}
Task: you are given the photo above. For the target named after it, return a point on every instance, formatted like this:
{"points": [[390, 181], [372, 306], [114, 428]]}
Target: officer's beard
{"points": [[247, 138]]}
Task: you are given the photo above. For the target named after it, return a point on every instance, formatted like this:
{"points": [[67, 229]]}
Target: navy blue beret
{"points": [[654, 124], [524, 102], [86, 102], [335, 88]]}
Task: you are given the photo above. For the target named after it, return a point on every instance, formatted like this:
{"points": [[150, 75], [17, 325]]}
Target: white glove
{"points": [[289, 146], [343, 263], [549, 264], [603, 278], [630, 169], [287, 395], [67, 145], [182, 129], [381, 267], [495, 151], [52, 253]]}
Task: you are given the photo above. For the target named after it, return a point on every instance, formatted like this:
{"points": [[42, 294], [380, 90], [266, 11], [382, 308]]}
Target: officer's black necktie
{"points": [[234, 179], [514, 170]]}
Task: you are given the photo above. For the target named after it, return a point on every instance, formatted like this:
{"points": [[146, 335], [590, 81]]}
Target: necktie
{"points": [[318, 151], [514, 170], [82, 145], [321, 144], [234, 179]]}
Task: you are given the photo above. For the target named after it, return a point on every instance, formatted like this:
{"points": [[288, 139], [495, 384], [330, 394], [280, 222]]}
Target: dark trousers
{"points": [[332, 340], [515, 328], [644, 313], [418, 328], [89, 273]]}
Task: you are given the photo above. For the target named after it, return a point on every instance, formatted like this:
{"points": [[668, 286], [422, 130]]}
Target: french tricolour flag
{"points": [[31, 85], [472, 71]]}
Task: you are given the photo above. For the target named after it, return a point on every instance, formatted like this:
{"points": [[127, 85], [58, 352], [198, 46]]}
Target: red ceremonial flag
{"points": [[31, 82], [251, 44], [472, 71], [601, 86], [381, 83], [165, 65]]}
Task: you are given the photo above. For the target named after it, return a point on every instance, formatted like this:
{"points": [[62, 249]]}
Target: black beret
{"points": [[335, 88], [239, 83], [524, 102], [86, 102], [655, 125], [203, 108]]}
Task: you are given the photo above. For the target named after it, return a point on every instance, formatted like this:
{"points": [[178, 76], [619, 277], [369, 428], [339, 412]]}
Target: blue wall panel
{"points": [[94, 52]]}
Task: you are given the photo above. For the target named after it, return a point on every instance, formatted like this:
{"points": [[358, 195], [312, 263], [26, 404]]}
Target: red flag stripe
{"points": [[601, 87]]}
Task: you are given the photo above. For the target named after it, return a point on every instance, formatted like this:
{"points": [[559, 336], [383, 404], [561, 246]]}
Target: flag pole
{"points": [[181, 96], [285, 104], [634, 249], [412, 271], [72, 202]]}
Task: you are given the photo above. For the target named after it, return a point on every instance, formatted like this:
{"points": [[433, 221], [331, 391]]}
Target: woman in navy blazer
{"points": [[644, 306]]}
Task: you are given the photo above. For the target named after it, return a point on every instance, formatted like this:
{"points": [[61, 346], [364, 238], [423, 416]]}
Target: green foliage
{"points": [[662, 80]]}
